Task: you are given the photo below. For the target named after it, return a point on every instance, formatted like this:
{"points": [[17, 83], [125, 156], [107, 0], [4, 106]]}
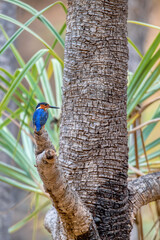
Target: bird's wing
{"points": [[40, 117], [43, 117], [34, 118]]}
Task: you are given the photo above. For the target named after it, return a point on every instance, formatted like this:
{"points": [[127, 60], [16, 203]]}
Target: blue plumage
{"points": [[40, 115]]}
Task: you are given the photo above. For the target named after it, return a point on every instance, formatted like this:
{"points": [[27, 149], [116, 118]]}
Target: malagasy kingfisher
{"points": [[40, 115]]}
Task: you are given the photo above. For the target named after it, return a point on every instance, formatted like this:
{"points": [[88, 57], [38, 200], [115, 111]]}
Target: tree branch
{"points": [[53, 224], [143, 190], [143, 125], [75, 217]]}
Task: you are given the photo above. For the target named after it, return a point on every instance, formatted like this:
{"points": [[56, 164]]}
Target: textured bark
{"points": [[70, 218], [93, 139], [74, 215], [142, 191]]}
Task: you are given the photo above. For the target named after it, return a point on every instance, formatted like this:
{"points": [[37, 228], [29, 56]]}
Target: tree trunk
{"points": [[93, 140]]}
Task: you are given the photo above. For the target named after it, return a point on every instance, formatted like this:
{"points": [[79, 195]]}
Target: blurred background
{"points": [[16, 204], [55, 15]]}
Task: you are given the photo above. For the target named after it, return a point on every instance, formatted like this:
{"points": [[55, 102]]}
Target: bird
{"points": [[40, 115]]}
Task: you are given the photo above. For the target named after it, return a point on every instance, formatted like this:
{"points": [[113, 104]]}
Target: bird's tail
{"points": [[38, 128]]}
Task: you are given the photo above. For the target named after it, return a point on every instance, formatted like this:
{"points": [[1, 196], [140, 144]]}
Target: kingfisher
{"points": [[40, 115]]}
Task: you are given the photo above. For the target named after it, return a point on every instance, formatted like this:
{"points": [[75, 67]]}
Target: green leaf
{"points": [[153, 89], [5, 168], [12, 116], [27, 142], [21, 223], [142, 66], [148, 147], [30, 9], [33, 11], [7, 73], [45, 83], [33, 82], [20, 77], [25, 94], [14, 50], [55, 42], [16, 173], [151, 157], [9, 146], [146, 132], [15, 151], [12, 20], [17, 184], [57, 70], [135, 47], [60, 32], [141, 90], [36, 15], [49, 98], [144, 24]]}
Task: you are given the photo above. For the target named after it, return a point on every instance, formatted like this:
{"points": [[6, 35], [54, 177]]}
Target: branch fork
{"points": [[70, 217], [75, 217], [143, 190]]}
